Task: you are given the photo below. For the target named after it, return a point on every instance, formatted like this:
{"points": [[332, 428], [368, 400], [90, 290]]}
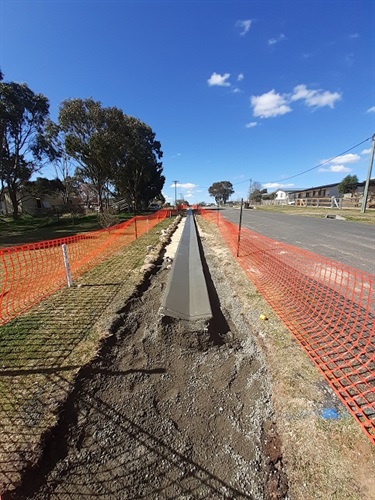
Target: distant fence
{"points": [[329, 308], [330, 202], [28, 273]]}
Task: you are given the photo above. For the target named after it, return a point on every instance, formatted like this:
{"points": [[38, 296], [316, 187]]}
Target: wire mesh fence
{"points": [[29, 273], [329, 307]]}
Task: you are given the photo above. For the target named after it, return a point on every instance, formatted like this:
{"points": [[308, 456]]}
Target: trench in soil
{"points": [[168, 409]]}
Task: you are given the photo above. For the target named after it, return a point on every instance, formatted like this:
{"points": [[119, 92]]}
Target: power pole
{"points": [[175, 194], [251, 180], [365, 192]]}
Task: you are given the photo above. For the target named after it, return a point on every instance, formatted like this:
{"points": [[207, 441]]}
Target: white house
{"points": [[284, 197]]}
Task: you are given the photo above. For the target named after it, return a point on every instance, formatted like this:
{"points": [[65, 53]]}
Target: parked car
{"points": [[154, 207]]}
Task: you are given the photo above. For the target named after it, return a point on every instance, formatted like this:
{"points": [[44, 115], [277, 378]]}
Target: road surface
{"points": [[351, 243]]}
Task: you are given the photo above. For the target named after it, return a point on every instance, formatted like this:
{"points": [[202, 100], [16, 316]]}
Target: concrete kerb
{"points": [[186, 296]]}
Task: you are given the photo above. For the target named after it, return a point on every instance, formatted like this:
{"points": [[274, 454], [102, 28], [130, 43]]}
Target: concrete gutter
{"points": [[186, 295], [334, 216]]}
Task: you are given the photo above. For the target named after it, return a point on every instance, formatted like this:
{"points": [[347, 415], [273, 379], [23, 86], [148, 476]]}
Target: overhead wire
{"points": [[322, 163], [309, 169]]}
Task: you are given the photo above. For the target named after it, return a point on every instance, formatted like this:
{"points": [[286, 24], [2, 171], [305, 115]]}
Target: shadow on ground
{"points": [[42, 351]]}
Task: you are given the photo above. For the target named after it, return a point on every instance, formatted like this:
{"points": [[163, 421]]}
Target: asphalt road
{"points": [[351, 243]]}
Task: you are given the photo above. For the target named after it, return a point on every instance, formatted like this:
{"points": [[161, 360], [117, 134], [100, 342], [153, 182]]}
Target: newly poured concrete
{"points": [[186, 295]]}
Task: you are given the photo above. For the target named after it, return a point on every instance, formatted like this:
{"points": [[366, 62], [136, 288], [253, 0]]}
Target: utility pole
{"points": [[251, 180], [175, 194], [365, 192]]}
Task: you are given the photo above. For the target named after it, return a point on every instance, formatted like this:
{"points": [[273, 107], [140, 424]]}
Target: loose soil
{"points": [[168, 409], [171, 409]]}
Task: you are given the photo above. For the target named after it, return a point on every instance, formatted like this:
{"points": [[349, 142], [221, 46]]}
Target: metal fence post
{"points": [[66, 264], [135, 227], [239, 230]]}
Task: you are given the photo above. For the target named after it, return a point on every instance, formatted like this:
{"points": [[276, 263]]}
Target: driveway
{"points": [[351, 243]]}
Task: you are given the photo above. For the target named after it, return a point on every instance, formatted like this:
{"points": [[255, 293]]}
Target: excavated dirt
{"points": [[168, 409]]}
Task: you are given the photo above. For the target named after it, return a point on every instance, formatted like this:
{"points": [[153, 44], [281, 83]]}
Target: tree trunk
{"points": [[100, 199], [13, 198]]}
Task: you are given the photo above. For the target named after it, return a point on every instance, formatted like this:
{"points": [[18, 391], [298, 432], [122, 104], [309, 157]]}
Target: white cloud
{"points": [[269, 104], [243, 26], [276, 185], [338, 163], [366, 151], [371, 110], [176, 156], [240, 77], [336, 169], [219, 80], [348, 158], [251, 124], [273, 104], [354, 35], [274, 41], [186, 185], [167, 197], [315, 98], [236, 90]]}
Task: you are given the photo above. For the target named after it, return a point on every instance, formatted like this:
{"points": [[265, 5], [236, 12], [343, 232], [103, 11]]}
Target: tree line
{"points": [[114, 153]]}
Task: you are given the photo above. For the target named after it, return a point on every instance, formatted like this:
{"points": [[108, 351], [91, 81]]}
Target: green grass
{"points": [[350, 214], [42, 350], [29, 229]]}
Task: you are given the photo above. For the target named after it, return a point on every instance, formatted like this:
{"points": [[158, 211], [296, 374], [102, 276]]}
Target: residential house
{"points": [[327, 191], [285, 197], [31, 204]]}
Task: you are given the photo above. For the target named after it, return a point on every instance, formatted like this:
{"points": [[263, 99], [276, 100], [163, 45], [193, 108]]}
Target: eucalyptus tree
{"points": [[221, 191], [23, 115], [112, 149], [54, 141], [349, 184], [138, 170], [43, 186], [91, 138]]}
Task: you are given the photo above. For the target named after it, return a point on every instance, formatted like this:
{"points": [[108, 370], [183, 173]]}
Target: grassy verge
{"points": [[349, 214], [41, 351], [29, 229]]}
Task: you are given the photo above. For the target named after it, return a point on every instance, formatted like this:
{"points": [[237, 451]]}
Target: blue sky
{"points": [[234, 90]]}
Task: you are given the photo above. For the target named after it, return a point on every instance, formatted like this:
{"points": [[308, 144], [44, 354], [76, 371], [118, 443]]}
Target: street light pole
{"points": [[175, 194]]}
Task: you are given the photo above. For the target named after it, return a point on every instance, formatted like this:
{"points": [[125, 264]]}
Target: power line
{"points": [[305, 171], [320, 164]]}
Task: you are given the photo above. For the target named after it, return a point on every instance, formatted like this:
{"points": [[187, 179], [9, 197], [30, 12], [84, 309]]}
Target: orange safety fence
{"points": [[329, 307], [29, 273]]}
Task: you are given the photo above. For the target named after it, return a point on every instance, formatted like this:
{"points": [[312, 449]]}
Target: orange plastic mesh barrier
{"points": [[28, 273], [329, 307]]}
